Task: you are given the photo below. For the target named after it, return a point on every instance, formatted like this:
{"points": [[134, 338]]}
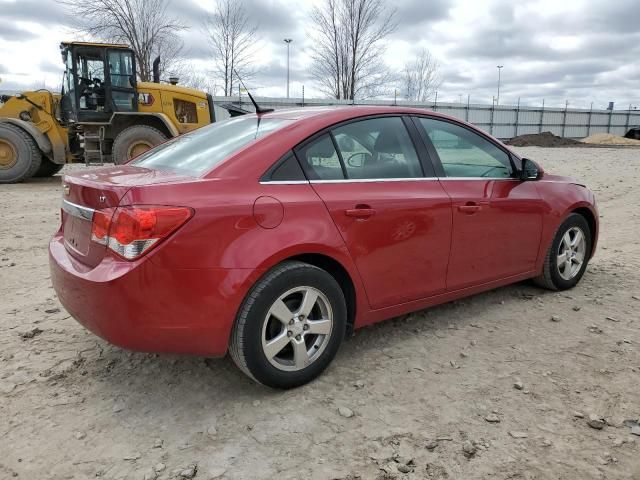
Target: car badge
{"points": [[66, 189], [102, 198]]}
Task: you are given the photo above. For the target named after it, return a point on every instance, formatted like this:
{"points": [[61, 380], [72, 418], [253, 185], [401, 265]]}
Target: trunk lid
{"points": [[89, 190]]}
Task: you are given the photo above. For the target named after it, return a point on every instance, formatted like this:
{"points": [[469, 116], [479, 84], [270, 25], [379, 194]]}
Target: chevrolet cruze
{"points": [[270, 236]]}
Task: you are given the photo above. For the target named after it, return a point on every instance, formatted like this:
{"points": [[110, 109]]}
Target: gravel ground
{"points": [[499, 385]]}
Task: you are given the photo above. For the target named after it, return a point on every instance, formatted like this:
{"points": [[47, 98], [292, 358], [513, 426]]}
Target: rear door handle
{"points": [[360, 212], [470, 208]]}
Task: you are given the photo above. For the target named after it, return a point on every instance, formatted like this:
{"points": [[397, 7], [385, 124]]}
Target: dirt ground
{"points": [[486, 387]]}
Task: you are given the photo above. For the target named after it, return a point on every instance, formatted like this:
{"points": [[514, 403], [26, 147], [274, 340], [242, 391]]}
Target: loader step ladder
{"points": [[93, 142]]}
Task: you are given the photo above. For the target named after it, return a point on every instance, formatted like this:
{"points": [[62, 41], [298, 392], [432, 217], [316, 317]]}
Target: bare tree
{"points": [[349, 41], [142, 24], [190, 77], [232, 37], [421, 78]]}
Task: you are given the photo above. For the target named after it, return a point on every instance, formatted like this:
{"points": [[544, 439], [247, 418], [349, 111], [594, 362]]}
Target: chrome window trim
{"points": [[477, 178], [285, 182], [370, 180], [78, 211]]}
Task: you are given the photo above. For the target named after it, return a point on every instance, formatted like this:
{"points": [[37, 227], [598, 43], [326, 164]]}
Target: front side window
{"points": [[464, 153], [197, 152], [377, 148]]}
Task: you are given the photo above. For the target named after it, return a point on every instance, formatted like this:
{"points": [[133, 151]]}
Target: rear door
{"points": [[497, 219], [394, 216]]}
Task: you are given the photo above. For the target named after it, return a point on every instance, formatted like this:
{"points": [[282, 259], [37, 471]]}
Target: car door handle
{"points": [[360, 212], [470, 208]]}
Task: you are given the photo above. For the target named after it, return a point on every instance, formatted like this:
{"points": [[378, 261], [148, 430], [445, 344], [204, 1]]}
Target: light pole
{"points": [[288, 42], [498, 96]]}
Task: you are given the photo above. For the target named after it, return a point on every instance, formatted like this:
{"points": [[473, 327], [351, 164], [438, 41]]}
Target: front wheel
{"points": [[19, 154], [290, 326], [568, 255]]}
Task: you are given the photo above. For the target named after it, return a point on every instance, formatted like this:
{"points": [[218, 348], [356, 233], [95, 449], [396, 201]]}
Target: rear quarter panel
{"points": [[224, 233]]}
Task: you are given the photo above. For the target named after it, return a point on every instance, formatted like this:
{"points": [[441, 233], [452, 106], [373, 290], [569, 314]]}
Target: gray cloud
{"points": [[48, 66], [39, 11], [584, 52], [413, 12], [10, 33], [415, 17]]}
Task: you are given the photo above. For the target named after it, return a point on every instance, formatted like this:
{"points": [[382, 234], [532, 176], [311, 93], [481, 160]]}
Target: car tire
{"points": [[559, 275], [132, 141], [20, 154], [271, 349], [48, 168]]}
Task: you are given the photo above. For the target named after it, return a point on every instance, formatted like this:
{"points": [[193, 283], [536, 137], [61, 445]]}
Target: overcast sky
{"points": [[575, 50]]}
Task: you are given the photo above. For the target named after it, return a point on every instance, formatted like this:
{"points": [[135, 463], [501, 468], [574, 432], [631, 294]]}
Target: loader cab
{"points": [[99, 80]]}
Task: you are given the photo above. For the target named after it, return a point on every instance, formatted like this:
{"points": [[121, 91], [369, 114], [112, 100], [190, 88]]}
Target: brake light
{"points": [[132, 231], [100, 226]]}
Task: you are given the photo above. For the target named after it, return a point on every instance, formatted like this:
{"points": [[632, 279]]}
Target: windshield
{"points": [[199, 151]]}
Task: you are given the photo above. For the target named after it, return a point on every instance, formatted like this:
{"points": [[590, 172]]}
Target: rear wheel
{"points": [[48, 168], [568, 255], [19, 154], [290, 326], [134, 141]]}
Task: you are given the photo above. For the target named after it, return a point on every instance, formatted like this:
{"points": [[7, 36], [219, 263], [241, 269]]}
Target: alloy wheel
{"points": [[297, 328], [571, 253]]}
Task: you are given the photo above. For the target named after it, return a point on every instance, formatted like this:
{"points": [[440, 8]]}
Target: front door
{"points": [[497, 219], [394, 219]]}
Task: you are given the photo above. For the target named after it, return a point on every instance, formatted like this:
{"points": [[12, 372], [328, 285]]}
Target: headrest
{"points": [[322, 149], [345, 143], [387, 141]]}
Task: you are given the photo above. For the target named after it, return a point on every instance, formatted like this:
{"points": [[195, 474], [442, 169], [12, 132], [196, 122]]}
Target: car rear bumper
{"points": [[141, 306]]}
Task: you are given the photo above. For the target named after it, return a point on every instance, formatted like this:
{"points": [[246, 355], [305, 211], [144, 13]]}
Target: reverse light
{"points": [[132, 231]]}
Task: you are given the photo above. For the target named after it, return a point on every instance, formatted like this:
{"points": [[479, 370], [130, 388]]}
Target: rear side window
{"points": [[286, 170], [321, 159], [377, 148], [197, 152]]}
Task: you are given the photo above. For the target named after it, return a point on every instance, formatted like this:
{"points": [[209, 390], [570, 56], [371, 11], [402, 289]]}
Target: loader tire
{"points": [[47, 168], [134, 141], [19, 154]]}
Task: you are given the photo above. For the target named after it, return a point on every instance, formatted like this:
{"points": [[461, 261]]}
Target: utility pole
{"points": [[498, 96], [288, 42]]}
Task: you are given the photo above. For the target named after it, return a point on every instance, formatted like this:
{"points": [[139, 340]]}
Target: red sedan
{"points": [[271, 235]]}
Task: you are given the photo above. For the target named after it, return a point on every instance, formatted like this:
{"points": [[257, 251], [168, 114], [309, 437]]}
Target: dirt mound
{"points": [[544, 139], [609, 139]]}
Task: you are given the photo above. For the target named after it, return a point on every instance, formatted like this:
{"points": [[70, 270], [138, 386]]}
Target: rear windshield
{"points": [[199, 151]]}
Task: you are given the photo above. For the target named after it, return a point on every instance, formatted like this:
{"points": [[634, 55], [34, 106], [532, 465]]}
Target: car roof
{"points": [[331, 114]]}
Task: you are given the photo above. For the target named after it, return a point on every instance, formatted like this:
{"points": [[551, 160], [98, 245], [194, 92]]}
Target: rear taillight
{"points": [[100, 225], [132, 231]]}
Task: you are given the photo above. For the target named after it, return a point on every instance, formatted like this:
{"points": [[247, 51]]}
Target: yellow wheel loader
{"points": [[103, 114]]}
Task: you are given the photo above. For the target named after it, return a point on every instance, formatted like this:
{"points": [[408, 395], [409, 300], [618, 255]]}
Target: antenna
{"points": [[259, 110]]}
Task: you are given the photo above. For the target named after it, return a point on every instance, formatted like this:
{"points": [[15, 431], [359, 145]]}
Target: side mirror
{"points": [[530, 170]]}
